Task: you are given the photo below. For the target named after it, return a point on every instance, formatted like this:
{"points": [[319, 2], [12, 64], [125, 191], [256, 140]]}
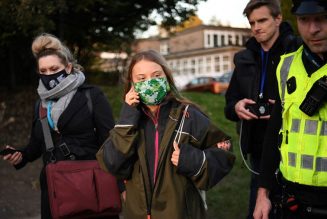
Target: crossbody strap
{"points": [[181, 125], [89, 101], [46, 129]]}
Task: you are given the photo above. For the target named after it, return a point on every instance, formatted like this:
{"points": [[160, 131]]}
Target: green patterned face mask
{"points": [[152, 91]]}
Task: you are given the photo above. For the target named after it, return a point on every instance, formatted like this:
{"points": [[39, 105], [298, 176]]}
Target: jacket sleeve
{"points": [[119, 151], [33, 150], [102, 115], [232, 96], [200, 159]]}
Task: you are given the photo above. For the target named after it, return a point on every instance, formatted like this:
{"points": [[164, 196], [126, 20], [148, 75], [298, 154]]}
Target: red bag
{"points": [[80, 189]]}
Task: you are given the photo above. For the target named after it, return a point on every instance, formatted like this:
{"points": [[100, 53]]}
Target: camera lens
{"points": [[262, 109]]}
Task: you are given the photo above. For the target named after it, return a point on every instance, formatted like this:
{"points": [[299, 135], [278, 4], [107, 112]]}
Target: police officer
{"points": [[300, 151]]}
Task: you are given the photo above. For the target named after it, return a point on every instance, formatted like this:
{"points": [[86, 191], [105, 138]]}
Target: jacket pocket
{"points": [[135, 191]]}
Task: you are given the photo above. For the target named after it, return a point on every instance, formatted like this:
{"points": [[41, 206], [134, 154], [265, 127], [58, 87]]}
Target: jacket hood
{"points": [[285, 30]]}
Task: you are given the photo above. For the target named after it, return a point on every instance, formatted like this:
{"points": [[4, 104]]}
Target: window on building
{"points": [[225, 67], [193, 70], [177, 67], [217, 64], [215, 40], [208, 63], [225, 58], [217, 68], [237, 38], [200, 65], [164, 48], [222, 37], [208, 39], [230, 40], [185, 69]]}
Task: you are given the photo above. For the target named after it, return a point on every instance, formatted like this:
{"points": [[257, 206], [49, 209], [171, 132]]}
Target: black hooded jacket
{"points": [[246, 79]]}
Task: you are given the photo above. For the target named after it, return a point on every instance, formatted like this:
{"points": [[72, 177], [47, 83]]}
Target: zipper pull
{"points": [[286, 140]]}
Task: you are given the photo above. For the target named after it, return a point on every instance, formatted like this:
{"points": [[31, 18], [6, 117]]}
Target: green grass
{"points": [[228, 199]]}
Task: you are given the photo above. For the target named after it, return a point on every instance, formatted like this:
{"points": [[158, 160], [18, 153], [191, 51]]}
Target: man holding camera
{"points": [[253, 87], [299, 118]]}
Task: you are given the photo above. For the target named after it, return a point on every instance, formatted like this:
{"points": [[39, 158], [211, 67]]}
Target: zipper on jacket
{"points": [[286, 137], [156, 153], [156, 142]]}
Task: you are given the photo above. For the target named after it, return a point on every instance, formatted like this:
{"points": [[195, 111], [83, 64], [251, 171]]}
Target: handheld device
{"points": [[8, 151], [315, 97], [259, 109]]}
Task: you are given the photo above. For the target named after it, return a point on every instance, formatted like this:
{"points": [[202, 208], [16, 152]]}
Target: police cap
{"points": [[307, 7]]}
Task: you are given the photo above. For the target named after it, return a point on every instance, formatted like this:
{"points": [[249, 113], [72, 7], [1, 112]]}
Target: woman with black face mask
{"points": [[65, 99]]}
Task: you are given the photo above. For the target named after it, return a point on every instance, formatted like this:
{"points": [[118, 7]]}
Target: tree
{"points": [[192, 21], [85, 26], [286, 6], [215, 21]]}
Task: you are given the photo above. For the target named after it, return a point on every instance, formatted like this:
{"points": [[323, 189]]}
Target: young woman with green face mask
{"points": [[163, 175]]}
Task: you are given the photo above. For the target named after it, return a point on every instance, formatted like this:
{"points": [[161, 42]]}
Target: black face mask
{"points": [[50, 81]]}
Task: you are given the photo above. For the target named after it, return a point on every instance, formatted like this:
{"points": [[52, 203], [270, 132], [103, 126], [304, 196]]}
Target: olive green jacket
{"points": [[175, 194]]}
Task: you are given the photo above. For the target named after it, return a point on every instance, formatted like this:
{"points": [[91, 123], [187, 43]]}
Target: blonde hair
{"points": [[47, 44]]}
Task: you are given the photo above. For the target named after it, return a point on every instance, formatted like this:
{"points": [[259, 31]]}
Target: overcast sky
{"points": [[226, 11]]}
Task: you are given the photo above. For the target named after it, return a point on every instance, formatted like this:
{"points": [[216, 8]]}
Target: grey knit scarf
{"points": [[61, 95]]}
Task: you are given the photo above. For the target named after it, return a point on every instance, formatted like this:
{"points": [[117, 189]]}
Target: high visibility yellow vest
{"points": [[304, 146]]}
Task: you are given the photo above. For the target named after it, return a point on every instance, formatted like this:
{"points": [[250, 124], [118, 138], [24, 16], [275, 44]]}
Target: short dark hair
{"points": [[272, 5]]}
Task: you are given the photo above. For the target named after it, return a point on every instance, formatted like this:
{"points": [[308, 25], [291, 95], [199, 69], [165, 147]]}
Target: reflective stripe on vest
{"points": [[284, 74], [304, 154]]}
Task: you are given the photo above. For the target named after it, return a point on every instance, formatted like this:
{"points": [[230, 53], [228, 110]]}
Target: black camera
{"points": [[259, 109], [315, 97]]}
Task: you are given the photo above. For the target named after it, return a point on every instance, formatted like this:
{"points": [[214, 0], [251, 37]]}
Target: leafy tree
{"points": [[192, 21], [86, 27], [287, 15]]}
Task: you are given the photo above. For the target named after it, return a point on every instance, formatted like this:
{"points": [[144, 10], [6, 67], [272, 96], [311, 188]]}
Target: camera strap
{"points": [[264, 63]]}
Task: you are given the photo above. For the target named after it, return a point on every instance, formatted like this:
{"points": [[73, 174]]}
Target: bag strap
{"points": [[46, 131], [89, 100], [181, 125]]}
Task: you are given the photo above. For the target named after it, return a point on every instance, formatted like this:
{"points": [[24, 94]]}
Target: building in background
{"points": [[203, 50], [112, 62]]}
